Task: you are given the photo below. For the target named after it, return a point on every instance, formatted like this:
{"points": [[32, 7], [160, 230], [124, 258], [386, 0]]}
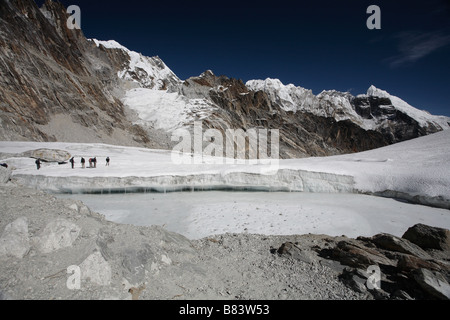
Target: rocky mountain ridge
{"points": [[144, 72], [56, 85], [377, 110]]}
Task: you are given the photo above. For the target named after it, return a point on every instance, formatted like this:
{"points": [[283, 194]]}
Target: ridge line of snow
{"points": [[295, 98]]}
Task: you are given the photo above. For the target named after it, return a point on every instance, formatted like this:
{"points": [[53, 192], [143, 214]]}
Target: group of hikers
{"points": [[92, 162]]}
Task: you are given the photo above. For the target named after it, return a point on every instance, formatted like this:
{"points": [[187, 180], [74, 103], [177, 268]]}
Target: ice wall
{"points": [[284, 180]]}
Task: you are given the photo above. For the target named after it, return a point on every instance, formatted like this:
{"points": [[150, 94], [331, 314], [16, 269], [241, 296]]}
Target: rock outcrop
{"points": [[406, 270], [48, 155], [54, 84], [429, 238]]}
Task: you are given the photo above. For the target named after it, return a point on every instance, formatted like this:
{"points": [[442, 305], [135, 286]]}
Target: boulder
{"points": [[49, 155], [358, 256], [56, 235], [408, 263], [428, 237], [15, 239], [134, 262], [392, 243], [5, 174], [354, 279], [434, 283], [96, 270], [292, 250]]}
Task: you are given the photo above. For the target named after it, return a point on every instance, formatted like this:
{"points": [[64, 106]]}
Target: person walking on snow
{"points": [[83, 162], [94, 161], [72, 161], [38, 163], [107, 161]]}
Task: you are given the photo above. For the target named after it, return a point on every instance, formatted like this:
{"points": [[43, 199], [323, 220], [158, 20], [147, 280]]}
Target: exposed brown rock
{"points": [[407, 271], [356, 255], [392, 243], [47, 69], [409, 263], [428, 237], [434, 283]]}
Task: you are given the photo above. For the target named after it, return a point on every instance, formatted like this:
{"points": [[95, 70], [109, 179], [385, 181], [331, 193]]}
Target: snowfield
{"points": [[166, 110], [417, 168], [331, 201]]}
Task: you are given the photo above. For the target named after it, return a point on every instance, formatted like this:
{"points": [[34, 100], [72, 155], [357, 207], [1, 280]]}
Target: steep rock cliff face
{"points": [[301, 133], [51, 74], [376, 111]]}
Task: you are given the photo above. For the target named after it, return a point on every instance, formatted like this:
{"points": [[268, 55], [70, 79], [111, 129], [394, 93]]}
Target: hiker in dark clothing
{"points": [[72, 161], [83, 162], [107, 161], [94, 161], [38, 163]]}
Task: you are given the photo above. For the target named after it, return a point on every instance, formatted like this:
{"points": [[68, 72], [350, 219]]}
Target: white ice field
{"points": [[326, 193]]}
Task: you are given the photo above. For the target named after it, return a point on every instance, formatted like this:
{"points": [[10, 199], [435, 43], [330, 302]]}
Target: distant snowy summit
{"points": [[374, 110], [422, 116]]}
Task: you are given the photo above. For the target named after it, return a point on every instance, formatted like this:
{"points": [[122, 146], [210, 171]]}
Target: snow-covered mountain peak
{"points": [[207, 73], [268, 84], [424, 118], [147, 72], [344, 106], [375, 92], [110, 44], [288, 97]]}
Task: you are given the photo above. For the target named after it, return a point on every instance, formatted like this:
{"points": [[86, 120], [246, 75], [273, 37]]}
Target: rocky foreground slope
{"points": [[60, 249]]}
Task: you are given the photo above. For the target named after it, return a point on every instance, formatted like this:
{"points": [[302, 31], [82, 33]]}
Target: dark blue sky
{"points": [[319, 45]]}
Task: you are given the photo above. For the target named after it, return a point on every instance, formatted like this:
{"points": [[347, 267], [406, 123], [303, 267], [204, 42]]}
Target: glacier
{"points": [[166, 110], [382, 190], [417, 171]]}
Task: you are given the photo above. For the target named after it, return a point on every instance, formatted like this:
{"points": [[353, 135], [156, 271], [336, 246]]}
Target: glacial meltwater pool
{"points": [[200, 214]]}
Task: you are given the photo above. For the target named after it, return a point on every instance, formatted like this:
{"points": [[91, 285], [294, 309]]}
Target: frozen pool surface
{"points": [[200, 214]]}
